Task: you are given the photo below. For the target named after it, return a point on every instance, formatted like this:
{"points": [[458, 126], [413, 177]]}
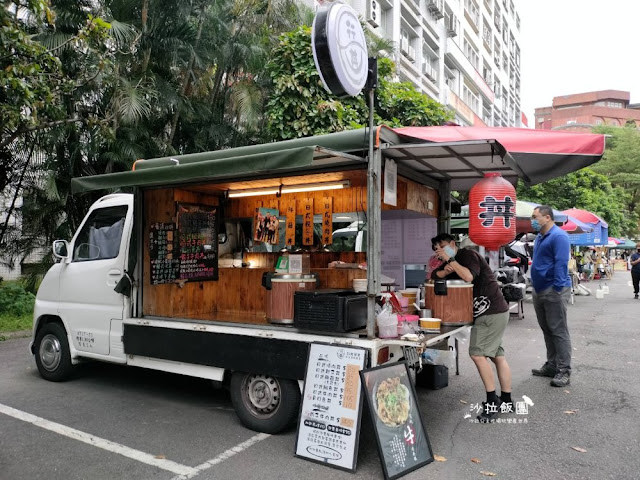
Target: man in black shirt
{"points": [[491, 315]]}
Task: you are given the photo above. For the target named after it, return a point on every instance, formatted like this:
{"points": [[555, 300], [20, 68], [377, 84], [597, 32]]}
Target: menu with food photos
{"points": [[330, 413], [402, 437]]}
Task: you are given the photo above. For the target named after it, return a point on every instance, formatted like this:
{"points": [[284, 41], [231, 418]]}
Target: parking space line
{"points": [[223, 456], [108, 445]]}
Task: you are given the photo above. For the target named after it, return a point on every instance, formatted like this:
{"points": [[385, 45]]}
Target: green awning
{"points": [[254, 160], [218, 168]]}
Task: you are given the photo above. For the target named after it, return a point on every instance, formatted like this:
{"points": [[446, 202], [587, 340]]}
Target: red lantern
{"points": [[492, 211]]}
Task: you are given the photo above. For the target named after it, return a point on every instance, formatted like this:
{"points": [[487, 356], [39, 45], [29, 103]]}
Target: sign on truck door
{"points": [[88, 302]]}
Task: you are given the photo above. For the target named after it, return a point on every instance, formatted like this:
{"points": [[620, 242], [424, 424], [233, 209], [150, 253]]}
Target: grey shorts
{"points": [[486, 335]]}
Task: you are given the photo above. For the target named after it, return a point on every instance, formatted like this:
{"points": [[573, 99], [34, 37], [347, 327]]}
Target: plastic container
{"points": [[430, 324], [599, 294], [387, 325], [407, 324], [360, 284], [605, 289]]}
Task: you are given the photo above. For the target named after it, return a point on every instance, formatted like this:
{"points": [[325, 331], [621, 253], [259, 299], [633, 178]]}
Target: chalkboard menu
{"points": [[329, 424], [402, 438], [163, 253], [198, 242]]}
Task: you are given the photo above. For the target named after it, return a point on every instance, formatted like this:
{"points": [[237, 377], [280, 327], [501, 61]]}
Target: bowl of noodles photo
{"points": [[392, 402]]}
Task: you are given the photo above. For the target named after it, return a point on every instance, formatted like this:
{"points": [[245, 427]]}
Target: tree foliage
{"points": [[621, 161], [587, 190], [299, 105], [89, 86]]}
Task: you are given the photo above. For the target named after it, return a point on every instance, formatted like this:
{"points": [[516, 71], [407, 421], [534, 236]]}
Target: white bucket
{"points": [[599, 294], [605, 289]]}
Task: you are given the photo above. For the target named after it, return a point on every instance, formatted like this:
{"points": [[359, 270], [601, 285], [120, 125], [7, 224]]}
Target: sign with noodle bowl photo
{"points": [[402, 438]]}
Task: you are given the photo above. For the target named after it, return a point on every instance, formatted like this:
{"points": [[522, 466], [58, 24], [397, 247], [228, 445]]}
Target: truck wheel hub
{"points": [[50, 352], [263, 394]]}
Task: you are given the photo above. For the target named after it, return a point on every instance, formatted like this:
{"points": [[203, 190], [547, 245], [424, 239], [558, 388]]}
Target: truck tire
{"points": [[264, 403], [53, 357]]}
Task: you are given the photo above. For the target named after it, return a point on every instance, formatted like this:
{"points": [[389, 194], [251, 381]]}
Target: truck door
{"points": [[88, 302]]}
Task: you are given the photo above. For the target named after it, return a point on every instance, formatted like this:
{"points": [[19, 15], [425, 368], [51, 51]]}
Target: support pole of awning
{"points": [[374, 220], [444, 216]]}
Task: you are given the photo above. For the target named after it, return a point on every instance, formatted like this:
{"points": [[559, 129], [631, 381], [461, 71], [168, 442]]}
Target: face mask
{"points": [[449, 251], [535, 225]]}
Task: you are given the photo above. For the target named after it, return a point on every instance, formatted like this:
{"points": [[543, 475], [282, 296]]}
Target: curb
{"points": [[14, 335]]}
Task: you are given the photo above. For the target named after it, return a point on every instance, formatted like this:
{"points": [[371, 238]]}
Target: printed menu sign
{"points": [[402, 438], [163, 254], [198, 241], [329, 424]]}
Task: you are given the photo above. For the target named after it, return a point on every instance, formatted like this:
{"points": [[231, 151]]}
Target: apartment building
{"points": [[463, 53], [582, 111]]}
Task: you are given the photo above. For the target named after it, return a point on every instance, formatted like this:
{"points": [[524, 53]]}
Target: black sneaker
{"points": [[635, 296], [489, 411], [545, 371], [561, 380]]}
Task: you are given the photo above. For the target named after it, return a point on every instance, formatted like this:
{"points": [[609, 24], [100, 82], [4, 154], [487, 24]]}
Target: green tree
{"points": [[587, 190], [299, 105], [621, 161]]}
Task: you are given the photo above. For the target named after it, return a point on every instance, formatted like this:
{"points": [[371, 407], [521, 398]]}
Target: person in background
{"points": [[551, 293], [588, 259], [634, 260], [491, 316]]}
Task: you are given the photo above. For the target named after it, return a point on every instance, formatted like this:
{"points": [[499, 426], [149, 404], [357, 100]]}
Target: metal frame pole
{"points": [[374, 204]]}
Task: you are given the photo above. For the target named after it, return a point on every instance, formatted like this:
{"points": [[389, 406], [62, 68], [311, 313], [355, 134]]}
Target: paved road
{"points": [[112, 422]]}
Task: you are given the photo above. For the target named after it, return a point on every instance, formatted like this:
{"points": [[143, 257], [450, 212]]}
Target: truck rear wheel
{"points": [[264, 403], [53, 357]]}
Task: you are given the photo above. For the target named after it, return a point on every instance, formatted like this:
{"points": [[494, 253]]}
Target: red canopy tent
{"points": [[585, 216]]}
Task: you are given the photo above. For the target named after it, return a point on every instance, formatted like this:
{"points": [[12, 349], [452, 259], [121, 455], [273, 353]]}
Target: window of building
{"points": [[486, 35], [614, 104], [505, 62], [598, 121], [486, 73], [471, 52], [471, 99], [473, 11], [615, 123]]}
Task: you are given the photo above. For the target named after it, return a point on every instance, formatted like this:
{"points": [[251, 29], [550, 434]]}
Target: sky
{"points": [[576, 46]]}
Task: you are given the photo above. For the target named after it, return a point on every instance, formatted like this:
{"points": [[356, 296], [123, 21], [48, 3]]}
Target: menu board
{"points": [[198, 242], [391, 250], [402, 438], [418, 233], [329, 423], [163, 254]]}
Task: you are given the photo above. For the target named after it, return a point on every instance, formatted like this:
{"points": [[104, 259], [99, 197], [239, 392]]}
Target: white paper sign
{"points": [[329, 423], [390, 183]]}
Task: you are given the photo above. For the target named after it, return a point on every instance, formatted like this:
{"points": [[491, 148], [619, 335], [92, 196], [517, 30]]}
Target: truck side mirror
{"points": [[61, 249]]}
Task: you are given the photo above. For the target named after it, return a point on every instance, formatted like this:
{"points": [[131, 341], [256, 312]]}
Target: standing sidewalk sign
{"points": [[329, 423], [402, 437]]}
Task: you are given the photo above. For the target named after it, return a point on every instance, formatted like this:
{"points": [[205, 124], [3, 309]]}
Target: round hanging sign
{"points": [[340, 50]]}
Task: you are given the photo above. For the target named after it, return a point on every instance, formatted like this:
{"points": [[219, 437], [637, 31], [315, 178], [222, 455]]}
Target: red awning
{"points": [[523, 140], [537, 155]]}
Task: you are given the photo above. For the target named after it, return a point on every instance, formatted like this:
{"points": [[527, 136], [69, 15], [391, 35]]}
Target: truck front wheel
{"points": [[264, 403], [53, 357]]}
